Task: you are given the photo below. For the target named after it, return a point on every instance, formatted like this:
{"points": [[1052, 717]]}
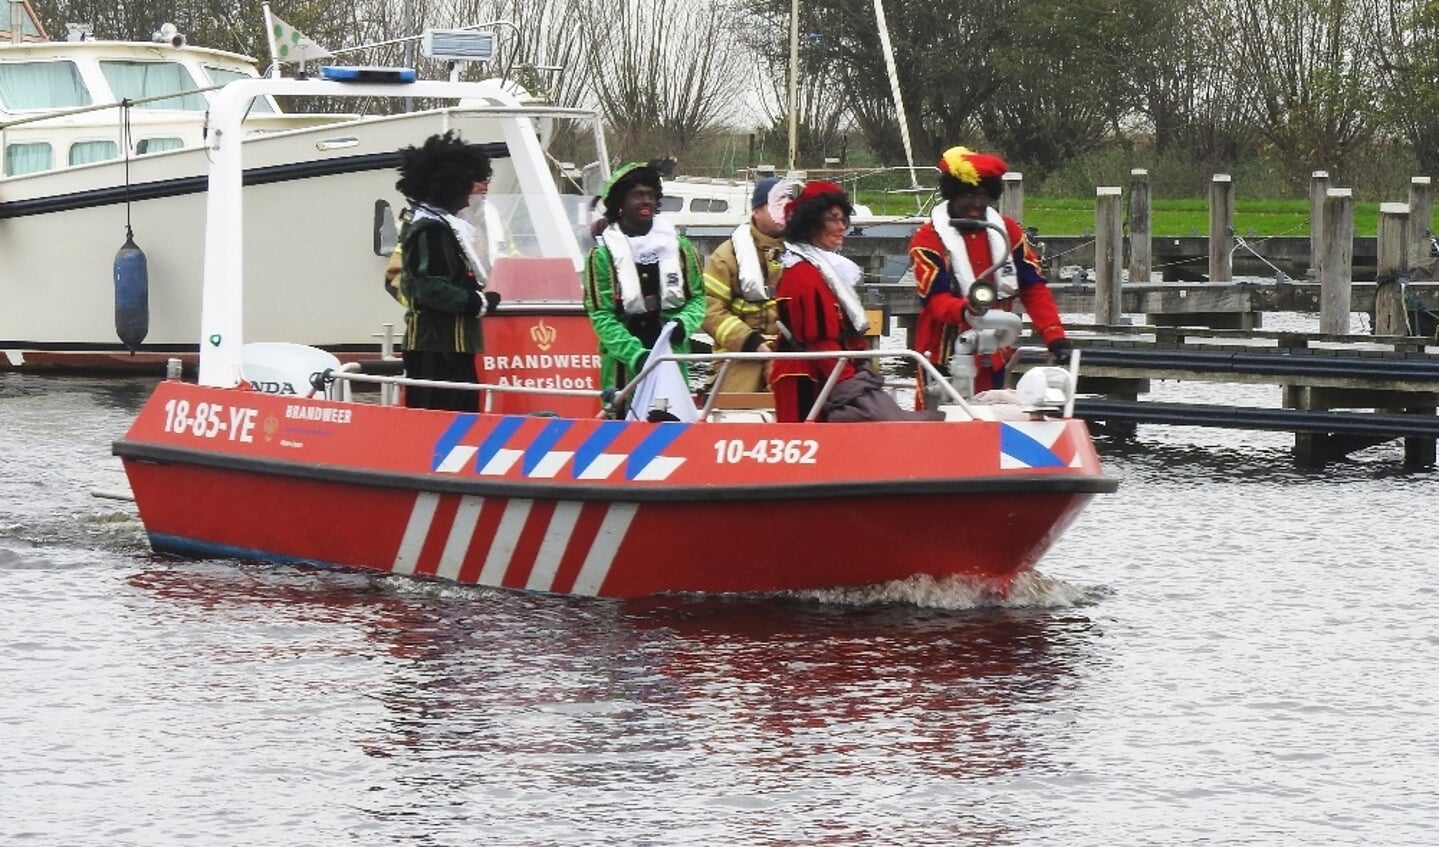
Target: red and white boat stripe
{"points": [[523, 546]]}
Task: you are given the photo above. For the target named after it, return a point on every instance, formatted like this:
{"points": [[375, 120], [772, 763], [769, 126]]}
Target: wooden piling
{"points": [[1318, 190], [1421, 213], [1108, 254], [1141, 244], [1389, 317], [1011, 202], [1335, 269], [1221, 228]]}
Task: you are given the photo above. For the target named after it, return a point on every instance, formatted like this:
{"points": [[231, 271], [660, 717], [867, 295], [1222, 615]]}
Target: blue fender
{"points": [[132, 295]]}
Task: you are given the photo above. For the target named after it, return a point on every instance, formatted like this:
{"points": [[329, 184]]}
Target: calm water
{"points": [[1226, 651]]}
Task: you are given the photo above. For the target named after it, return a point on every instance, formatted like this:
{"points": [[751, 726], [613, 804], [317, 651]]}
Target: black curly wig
{"points": [[644, 175], [951, 187], [806, 218], [441, 171]]}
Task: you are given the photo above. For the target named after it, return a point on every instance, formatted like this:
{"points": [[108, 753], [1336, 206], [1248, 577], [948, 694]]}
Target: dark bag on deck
{"points": [[862, 398]]}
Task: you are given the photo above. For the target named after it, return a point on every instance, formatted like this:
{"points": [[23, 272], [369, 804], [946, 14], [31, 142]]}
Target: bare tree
{"points": [[1405, 49], [821, 104], [1305, 65], [661, 71]]}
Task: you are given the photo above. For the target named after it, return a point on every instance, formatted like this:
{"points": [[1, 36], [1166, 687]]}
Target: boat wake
{"points": [[1030, 590]]}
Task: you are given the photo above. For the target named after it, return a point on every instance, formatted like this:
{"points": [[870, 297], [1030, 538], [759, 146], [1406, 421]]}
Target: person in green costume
{"points": [[640, 275]]}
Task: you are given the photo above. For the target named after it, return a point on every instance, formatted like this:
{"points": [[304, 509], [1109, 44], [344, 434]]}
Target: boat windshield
{"points": [[137, 80], [225, 76], [41, 85]]}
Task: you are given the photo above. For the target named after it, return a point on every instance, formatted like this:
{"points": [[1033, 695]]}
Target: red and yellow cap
{"points": [[970, 167]]}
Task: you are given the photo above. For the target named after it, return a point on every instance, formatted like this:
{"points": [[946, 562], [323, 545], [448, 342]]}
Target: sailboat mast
{"points": [[793, 81], [894, 89]]}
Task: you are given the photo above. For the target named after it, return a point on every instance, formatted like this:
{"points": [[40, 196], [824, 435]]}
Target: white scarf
{"points": [[659, 245], [483, 212], [751, 269], [464, 233], [841, 274], [1007, 278]]}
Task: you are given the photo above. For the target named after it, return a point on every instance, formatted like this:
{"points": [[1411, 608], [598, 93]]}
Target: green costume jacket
{"points": [[441, 292], [620, 349]]}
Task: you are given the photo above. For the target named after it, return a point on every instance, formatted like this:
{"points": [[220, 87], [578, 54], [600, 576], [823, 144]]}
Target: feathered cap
{"points": [[803, 213], [817, 188], [970, 167], [961, 170], [779, 194]]}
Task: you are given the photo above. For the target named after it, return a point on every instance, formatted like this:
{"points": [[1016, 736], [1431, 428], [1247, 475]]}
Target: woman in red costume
{"points": [[819, 311], [946, 261]]}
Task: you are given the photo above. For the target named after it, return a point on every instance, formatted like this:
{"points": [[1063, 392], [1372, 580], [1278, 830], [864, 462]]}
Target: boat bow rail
{"points": [[958, 407]]}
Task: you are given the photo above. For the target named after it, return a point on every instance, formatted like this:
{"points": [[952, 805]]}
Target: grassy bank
{"points": [[1252, 218]]}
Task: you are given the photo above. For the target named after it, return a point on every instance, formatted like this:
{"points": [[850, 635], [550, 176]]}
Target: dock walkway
{"points": [[1324, 380]]}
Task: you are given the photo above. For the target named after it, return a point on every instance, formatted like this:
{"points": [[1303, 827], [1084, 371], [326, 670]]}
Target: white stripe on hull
{"points": [[557, 537], [421, 516], [458, 544], [502, 546], [454, 462], [550, 465], [606, 545], [603, 465], [501, 462]]}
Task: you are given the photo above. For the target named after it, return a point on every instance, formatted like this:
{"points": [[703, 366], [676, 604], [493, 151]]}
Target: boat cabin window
{"points": [[225, 76], [83, 152], [671, 204], [41, 85], [28, 158], [138, 80], [709, 204], [157, 145]]}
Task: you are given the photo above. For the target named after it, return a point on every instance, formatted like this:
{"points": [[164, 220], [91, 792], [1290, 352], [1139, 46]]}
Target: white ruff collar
{"points": [[464, 232], [751, 269], [658, 246], [1007, 282], [840, 274]]}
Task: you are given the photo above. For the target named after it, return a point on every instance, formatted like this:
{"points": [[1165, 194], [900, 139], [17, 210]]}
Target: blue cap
{"points": [[762, 189]]}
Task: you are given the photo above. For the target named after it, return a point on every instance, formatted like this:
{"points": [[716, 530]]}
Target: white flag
{"points": [[665, 381], [288, 44]]}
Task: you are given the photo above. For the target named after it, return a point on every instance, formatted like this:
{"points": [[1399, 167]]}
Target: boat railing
{"points": [[840, 359], [100, 107], [615, 398], [356, 372]]}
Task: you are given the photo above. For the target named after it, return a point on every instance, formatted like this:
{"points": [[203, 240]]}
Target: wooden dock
{"points": [[1238, 305], [1325, 382]]}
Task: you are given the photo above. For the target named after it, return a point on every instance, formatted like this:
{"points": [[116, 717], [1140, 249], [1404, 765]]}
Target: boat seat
{"points": [[876, 323], [741, 416], [744, 400]]}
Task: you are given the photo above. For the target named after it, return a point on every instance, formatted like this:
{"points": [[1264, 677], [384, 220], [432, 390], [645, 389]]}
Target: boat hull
{"points": [[602, 508]]}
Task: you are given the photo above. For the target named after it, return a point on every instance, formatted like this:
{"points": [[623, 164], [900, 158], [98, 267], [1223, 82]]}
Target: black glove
{"points": [[492, 302], [474, 305], [678, 335], [1059, 350]]}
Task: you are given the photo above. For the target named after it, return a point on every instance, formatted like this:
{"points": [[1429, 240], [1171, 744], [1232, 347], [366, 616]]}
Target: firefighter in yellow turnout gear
{"points": [[740, 278]]}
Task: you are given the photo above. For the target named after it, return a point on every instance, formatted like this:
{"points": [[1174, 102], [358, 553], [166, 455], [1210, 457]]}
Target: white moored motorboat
{"points": [[102, 138]]}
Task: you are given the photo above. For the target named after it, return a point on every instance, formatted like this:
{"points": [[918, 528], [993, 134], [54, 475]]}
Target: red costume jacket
{"points": [[816, 322], [942, 317]]}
